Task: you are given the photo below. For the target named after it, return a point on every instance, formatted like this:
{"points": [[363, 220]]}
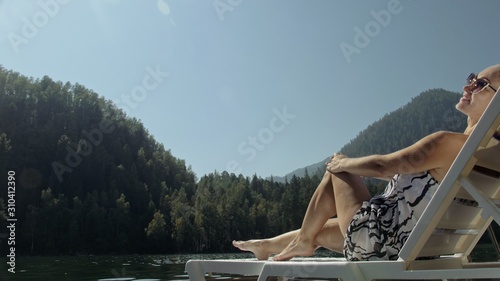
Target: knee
{"points": [[342, 177], [327, 178], [335, 177]]}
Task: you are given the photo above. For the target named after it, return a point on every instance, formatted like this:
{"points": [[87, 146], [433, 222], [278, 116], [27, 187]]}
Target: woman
{"points": [[368, 228]]}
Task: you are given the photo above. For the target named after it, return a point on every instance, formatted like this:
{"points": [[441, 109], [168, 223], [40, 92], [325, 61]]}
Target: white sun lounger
{"points": [[446, 230]]}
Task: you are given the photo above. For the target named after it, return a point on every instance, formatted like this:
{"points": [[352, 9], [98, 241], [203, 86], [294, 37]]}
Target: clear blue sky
{"points": [[261, 87]]}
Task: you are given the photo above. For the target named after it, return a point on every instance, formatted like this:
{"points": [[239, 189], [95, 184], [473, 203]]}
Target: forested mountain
{"points": [[90, 180], [431, 111]]}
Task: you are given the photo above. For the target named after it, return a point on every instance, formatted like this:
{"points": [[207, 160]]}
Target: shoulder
{"points": [[443, 143], [446, 138], [443, 137], [445, 147]]}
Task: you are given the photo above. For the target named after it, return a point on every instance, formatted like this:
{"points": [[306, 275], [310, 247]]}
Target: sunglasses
{"points": [[478, 84]]}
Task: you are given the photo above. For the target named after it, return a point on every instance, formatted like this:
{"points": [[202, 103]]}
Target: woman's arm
{"points": [[434, 152]]}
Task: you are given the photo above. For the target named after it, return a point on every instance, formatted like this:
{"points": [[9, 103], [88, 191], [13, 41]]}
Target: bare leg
{"points": [[263, 248], [320, 209], [350, 193], [322, 201], [329, 237], [344, 197]]}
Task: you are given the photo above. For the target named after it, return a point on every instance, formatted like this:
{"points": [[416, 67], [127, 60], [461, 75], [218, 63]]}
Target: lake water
{"points": [[93, 268], [162, 267]]}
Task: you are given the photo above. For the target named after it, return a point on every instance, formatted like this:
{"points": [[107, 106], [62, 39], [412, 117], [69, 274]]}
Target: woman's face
{"points": [[476, 98]]}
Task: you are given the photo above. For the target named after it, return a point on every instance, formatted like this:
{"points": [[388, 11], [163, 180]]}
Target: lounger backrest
{"points": [[467, 199]]}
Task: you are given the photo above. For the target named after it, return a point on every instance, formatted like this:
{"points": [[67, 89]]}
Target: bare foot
{"points": [[254, 246], [298, 247]]}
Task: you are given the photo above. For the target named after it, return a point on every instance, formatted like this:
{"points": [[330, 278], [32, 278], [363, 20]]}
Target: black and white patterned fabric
{"points": [[382, 225]]}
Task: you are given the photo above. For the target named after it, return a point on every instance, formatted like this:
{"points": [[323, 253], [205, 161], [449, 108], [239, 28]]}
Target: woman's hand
{"points": [[334, 165]]}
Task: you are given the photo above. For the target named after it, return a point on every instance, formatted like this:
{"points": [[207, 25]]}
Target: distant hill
{"points": [[430, 111]]}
